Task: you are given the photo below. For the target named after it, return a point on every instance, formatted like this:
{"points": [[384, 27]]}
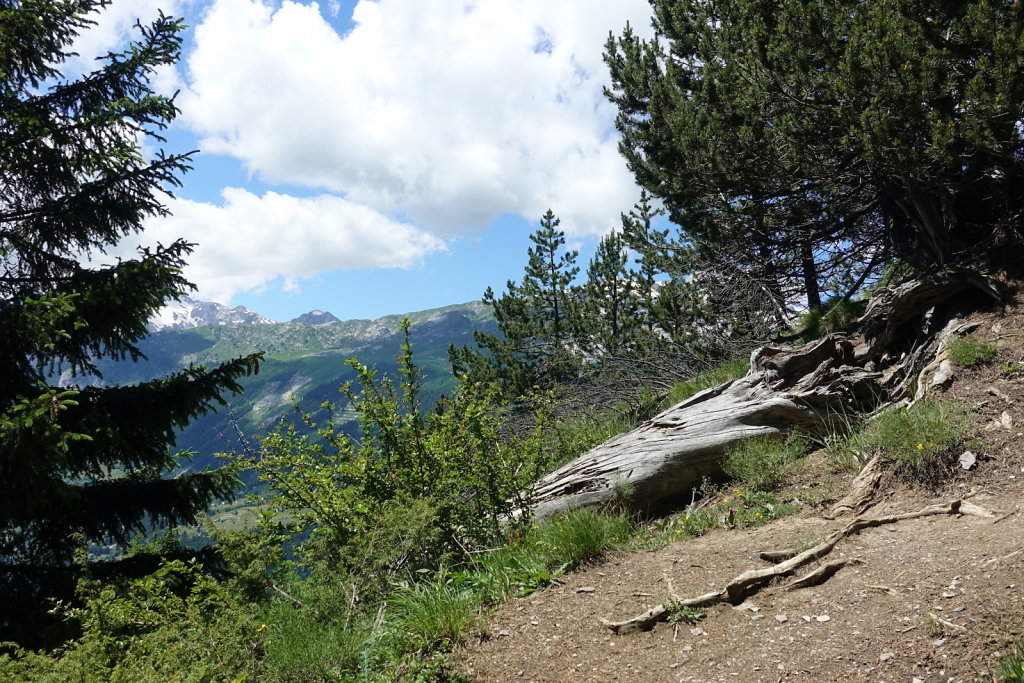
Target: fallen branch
{"points": [[752, 580], [1008, 514], [947, 624]]}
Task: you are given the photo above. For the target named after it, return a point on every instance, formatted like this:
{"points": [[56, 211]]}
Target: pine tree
{"points": [[86, 464], [802, 139], [611, 302], [537, 321]]}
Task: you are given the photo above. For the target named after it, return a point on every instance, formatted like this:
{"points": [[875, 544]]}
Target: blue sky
{"points": [[370, 158]]}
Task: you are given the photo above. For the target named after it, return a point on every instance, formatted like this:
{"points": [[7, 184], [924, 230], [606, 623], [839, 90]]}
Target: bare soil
{"points": [[939, 598]]}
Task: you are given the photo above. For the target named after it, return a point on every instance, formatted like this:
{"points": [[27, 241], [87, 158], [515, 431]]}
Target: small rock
{"points": [[939, 643], [687, 648], [534, 622], [885, 656], [968, 460], [823, 617], [805, 618], [949, 594], [917, 680], [504, 633], [781, 618], [756, 617], [585, 589]]}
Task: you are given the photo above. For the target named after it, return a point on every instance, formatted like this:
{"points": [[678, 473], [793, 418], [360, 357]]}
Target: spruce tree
{"points": [[82, 462]]}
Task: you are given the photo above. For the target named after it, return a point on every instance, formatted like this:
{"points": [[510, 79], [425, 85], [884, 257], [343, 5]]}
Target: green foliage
{"points": [[800, 139], [832, 316], [433, 615], [681, 614], [705, 380], [79, 459], [1012, 370], [175, 622], [969, 351], [920, 441], [762, 463], [723, 507], [414, 487], [1011, 667], [580, 535], [323, 638], [536, 322]]}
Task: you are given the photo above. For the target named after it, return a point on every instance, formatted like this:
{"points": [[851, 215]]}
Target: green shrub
{"points": [[762, 463], [920, 441], [174, 624], [454, 466], [969, 351]]}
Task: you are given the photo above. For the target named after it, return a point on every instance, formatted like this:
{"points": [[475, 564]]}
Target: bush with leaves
{"points": [[414, 487]]}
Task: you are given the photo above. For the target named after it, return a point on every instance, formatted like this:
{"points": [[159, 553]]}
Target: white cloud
{"points": [[251, 241], [449, 113], [115, 26]]}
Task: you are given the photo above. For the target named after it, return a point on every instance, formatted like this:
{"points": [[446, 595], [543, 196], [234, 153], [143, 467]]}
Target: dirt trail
{"points": [[934, 599]]}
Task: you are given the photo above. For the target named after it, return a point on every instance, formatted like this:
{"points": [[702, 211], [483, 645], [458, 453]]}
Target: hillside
{"points": [[936, 598], [305, 360]]}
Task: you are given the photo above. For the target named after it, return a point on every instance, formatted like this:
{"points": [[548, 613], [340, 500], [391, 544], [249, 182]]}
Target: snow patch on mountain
{"points": [[188, 313]]}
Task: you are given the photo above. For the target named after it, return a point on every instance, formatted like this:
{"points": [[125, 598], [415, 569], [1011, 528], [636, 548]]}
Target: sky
{"points": [[378, 157]]}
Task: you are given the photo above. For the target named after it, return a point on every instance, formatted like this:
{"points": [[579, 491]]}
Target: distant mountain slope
{"points": [[305, 362], [189, 313], [317, 317]]}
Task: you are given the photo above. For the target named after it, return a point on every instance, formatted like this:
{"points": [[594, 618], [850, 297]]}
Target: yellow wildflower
{"points": [[920, 446]]}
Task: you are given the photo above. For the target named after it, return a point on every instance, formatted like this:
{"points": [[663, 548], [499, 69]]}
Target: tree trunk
{"points": [[804, 388]]}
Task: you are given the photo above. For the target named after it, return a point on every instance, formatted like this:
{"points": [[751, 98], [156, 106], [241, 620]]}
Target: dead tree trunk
{"points": [[788, 388]]}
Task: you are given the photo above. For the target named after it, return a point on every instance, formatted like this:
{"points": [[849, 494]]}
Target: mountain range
{"points": [[304, 363]]}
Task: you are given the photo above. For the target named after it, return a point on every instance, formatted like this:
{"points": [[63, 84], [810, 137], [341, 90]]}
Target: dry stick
{"points": [[1005, 557], [753, 579], [1008, 514]]}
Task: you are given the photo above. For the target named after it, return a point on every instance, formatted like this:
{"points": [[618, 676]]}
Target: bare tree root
{"points": [[752, 580], [862, 490], [821, 574]]}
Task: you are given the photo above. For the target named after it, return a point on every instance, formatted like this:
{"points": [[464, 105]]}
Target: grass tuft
{"points": [[1011, 668], [970, 351], [763, 463]]}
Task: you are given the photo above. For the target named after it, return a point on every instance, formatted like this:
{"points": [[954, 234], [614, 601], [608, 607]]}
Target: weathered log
{"points": [[790, 388]]}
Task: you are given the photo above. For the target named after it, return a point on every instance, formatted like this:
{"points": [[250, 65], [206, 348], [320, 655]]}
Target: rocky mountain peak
{"points": [[316, 317], [188, 313]]}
